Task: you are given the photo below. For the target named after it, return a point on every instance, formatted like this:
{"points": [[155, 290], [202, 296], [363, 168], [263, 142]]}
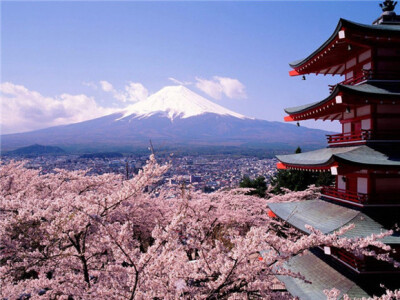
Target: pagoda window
{"points": [[364, 56], [351, 63], [366, 124], [346, 127], [341, 182], [349, 75], [340, 70], [363, 110], [362, 185], [367, 66]]}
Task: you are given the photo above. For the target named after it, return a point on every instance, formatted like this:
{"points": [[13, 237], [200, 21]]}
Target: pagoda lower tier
{"points": [[347, 272], [324, 272], [366, 175], [369, 112]]}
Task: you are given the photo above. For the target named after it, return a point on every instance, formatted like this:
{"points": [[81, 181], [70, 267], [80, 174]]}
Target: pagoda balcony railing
{"points": [[363, 135], [352, 80], [366, 75], [383, 198], [349, 137], [345, 195], [363, 263], [349, 259]]}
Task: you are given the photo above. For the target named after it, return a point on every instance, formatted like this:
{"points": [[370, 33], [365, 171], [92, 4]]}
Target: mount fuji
{"points": [[177, 102], [173, 117]]}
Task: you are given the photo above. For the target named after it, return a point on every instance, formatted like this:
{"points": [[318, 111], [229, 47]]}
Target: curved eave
{"points": [[322, 158], [368, 90], [381, 30], [309, 107], [298, 63], [309, 168], [387, 156]]}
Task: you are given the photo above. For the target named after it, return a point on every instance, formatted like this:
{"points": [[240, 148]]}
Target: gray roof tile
{"points": [[381, 155], [328, 217], [322, 277]]}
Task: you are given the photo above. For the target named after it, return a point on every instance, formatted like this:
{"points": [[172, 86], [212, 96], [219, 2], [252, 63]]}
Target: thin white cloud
{"points": [[106, 86], [232, 88], [133, 91], [210, 87], [25, 110], [222, 86], [174, 80], [90, 84]]}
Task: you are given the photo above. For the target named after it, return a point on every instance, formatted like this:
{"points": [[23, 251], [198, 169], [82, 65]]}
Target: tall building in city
{"points": [[364, 157]]}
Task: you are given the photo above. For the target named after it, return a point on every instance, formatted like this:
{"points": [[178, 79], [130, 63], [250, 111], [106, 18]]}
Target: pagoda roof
{"points": [[322, 277], [370, 88], [329, 217], [377, 155], [390, 31]]}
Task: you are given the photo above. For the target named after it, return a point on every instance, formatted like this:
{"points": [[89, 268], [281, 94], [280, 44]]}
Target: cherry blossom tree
{"points": [[68, 235]]}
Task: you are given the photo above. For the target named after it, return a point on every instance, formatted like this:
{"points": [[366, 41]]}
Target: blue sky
{"points": [[61, 51]]}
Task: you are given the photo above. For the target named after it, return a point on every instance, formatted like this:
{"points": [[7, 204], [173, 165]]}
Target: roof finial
{"points": [[388, 5]]}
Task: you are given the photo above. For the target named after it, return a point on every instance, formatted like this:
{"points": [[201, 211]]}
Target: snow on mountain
{"points": [[176, 101]]}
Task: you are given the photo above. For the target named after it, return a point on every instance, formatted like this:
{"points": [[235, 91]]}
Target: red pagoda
{"points": [[364, 157]]}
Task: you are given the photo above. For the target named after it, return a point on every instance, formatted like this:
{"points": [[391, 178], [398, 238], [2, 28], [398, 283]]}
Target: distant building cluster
{"points": [[208, 173]]}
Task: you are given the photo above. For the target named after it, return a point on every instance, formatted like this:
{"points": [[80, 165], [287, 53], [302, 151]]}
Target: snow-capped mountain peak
{"points": [[193, 122], [177, 101]]}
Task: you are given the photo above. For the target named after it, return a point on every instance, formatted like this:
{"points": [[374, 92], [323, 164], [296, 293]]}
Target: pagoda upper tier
{"points": [[357, 51], [368, 112], [346, 98]]}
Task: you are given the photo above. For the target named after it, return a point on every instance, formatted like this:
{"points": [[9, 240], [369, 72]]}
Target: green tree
{"points": [[259, 185]]}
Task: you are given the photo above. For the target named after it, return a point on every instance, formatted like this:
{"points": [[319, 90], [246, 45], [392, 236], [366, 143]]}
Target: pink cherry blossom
{"points": [[68, 235]]}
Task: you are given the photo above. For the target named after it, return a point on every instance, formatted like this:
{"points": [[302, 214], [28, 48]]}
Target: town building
{"points": [[364, 157]]}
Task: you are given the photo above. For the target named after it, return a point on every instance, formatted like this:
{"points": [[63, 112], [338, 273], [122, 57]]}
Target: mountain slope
{"points": [[174, 116], [37, 150]]}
